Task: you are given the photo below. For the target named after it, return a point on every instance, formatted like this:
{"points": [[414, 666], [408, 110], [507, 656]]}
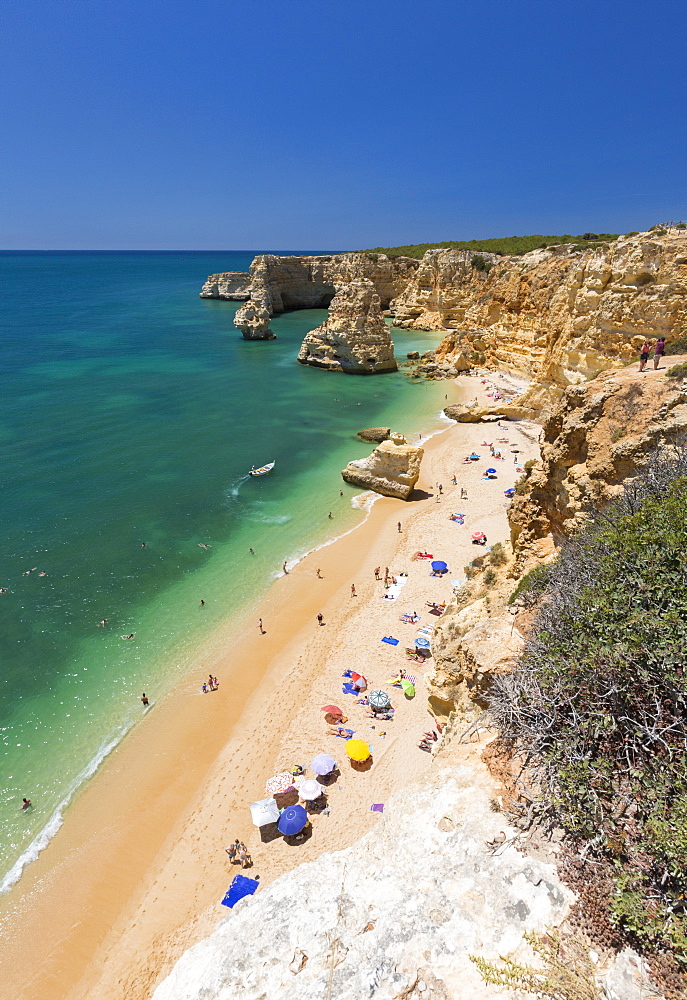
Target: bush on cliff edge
{"points": [[598, 704]]}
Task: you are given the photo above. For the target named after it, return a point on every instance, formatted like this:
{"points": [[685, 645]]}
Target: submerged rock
{"points": [[354, 338], [377, 434], [392, 469]]}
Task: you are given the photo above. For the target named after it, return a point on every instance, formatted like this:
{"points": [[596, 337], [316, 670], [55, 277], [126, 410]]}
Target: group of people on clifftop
{"points": [[659, 351]]}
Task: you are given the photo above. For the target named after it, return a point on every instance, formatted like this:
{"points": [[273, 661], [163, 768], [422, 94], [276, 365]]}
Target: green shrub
{"points": [[678, 346], [497, 556], [480, 264], [677, 371], [599, 701], [500, 245], [531, 586], [490, 577]]}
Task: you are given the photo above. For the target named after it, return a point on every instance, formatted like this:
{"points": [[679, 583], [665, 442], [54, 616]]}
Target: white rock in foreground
{"points": [[407, 904]]}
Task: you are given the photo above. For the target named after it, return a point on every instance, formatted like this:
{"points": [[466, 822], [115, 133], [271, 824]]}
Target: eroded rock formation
{"points": [[392, 469], [281, 283], [469, 649], [234, 286], [560, 315], [598, 436], [354, 338], [376, 434]]}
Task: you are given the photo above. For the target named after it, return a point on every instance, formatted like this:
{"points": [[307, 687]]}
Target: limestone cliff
{"points": [[559, 315], [392, 469], [354, 338], [233, 286], [281, 283], [598, 436]]}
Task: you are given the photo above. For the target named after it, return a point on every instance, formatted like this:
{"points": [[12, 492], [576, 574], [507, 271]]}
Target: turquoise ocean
{"points": [[131, 413]]}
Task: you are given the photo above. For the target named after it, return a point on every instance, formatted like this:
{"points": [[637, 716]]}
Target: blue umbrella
{"points": [[422, 642], [439, 567], [509, 493], [292, 820], [491, 472]]}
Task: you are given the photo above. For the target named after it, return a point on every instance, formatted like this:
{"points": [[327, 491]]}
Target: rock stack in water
{"points": [[392, 469], [253, 318], [354, 338]]}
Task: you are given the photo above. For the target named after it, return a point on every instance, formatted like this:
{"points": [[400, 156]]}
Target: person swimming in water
{"points": [[128, 636]]}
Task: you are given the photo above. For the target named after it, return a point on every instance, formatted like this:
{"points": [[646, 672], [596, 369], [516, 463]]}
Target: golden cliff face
{"points": [[599, 435], [557, 315]]}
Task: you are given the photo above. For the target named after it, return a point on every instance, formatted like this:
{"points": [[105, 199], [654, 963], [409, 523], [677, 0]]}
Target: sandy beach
{"points": [[138, 870]]}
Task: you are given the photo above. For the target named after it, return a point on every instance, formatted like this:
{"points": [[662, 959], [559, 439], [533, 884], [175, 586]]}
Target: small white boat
{"points": [[263, 470]]}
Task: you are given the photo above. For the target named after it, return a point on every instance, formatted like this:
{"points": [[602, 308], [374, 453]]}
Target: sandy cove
{"points": [[138, 870]]}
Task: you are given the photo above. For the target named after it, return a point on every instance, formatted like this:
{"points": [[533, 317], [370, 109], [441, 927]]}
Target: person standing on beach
{"points": [[659, 351], [377, 573], [318, 574], [399, 525], [283, 566], [320, 619], [353, 593], [262, 631], [232, 852]]}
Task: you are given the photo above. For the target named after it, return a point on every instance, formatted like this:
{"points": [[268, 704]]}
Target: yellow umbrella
{"points": [[357, 749]]}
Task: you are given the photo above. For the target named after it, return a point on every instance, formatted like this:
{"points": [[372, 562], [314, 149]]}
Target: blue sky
{"points": [[337, 125]]}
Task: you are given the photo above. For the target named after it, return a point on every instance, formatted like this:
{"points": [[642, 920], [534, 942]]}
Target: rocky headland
{"points": [[354, 338], [558, 315]]}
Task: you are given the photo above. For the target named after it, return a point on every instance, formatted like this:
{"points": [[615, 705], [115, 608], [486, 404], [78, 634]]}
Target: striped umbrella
{"points": [[378, 699]]}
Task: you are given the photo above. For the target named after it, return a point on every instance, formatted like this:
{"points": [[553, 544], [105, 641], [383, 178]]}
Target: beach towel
{"points": [[240, 887], [350, 733], [349, 688], [347, 673], [378, 807], [390, 639]]}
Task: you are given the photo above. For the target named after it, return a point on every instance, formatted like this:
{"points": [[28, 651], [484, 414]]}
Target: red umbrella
{"points": [[358, 680], [479, 534], [331, 710]]}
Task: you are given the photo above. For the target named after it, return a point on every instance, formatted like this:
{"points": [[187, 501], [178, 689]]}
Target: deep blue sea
{"points": [[131, 413]]}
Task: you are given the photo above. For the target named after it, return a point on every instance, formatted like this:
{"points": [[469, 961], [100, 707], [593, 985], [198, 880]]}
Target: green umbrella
{"points": [[378, 699], [408, 688]]}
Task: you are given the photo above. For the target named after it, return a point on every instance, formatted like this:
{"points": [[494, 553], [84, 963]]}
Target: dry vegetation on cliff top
{"points": [[597, 712]]}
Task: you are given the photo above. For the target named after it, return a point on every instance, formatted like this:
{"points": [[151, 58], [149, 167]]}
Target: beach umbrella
{"points": [[509, 493], [357, 750], [408, 688], [279, 783], [292, 820], [439, 566], [309, 790], [264, 811], [422, 642], [331, 710], [378, 699], [358, 680], [491, 472], [478, 534], [324, 763]]}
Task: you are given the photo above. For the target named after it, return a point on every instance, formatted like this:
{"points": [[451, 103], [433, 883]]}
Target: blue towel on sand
{"points": [[350, 689], [390, 639], [240, 887]]}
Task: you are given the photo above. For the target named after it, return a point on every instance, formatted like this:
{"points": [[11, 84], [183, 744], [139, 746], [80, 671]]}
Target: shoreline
{"points": [[124, 838]]}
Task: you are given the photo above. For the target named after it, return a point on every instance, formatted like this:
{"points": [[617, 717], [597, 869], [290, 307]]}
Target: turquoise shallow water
{"points": [[132, 411]]}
